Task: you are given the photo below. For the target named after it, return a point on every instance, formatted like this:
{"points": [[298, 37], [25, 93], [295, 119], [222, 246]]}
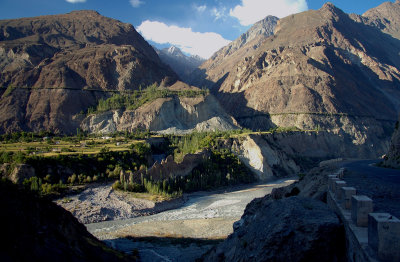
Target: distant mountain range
{"points": [[182, 64], [320, 70]]}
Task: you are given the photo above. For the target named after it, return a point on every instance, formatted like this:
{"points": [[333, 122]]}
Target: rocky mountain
{"points": [[386, 17], [53, 67], [182, 64], [223, 60], [38, 230], [322, 69]]}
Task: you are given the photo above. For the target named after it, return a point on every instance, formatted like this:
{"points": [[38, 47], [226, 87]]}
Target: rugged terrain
{"points": [[38, 230], [224, 60], [294, 229], [392, 158], [101, 203], [165, 115], [182, 64], [276, 155], [56, 66], [321, 69], [385, 16]]}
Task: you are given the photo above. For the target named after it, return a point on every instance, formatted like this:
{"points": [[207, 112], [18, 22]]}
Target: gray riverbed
{"points": [[205, 215]]}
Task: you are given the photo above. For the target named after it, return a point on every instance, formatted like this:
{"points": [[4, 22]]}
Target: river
{"points": [[179, 234]]}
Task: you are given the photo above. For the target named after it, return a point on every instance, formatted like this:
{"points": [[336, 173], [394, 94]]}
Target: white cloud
{"points": [[200, 8], [195, 43], [218, 13], [251, 11], [136, 3], [75, 1]]}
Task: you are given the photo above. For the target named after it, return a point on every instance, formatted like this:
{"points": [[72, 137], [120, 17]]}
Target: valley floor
{"points": [[205, 215], [99, 202]]}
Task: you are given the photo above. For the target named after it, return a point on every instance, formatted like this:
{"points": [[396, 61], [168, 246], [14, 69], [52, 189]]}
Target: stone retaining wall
{"points": [[369, 236]]}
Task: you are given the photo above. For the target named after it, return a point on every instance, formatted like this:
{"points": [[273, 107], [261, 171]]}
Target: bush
{"points": [[72, 179], [117, 185]]}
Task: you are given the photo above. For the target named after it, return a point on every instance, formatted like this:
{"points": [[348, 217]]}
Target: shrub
{"points": [[72, 179], [117, 185]]}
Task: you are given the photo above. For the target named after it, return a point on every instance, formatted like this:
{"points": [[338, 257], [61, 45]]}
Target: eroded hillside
{"points": [[56, 66], [321, 69]]}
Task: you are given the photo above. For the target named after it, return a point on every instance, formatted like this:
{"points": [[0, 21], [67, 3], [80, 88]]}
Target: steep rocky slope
{"points": [[320, 70], [386, 17], [183, 65], [392, 158], [224, 60], [55, 66], [166, 115], [271, 156], [39, 230], [291, 229]]}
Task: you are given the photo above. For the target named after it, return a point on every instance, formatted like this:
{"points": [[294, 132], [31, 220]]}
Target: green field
{"points": [[54, 147]]}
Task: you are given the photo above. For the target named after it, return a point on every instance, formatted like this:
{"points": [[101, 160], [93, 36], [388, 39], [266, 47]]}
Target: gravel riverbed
{"points": [[205, 215]]}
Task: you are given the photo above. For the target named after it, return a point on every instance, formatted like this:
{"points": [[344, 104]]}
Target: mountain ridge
{"points": [[321, 69], [260, 30], [182, 64], [59, 58]]}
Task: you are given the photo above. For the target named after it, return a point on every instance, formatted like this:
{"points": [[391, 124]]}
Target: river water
{"points": [[205, 215]]}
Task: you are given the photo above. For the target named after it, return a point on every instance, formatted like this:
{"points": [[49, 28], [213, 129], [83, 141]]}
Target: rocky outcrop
{"points": [[313, 184], [182, 64], [291, 229], [39, 230], [279, 154], [392, 158], [22, 172], [168, 168], [302, 77], [265, 159], [56, 66], [165, 115]]}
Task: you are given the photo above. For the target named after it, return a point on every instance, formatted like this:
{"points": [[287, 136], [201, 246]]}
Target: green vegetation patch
{"points": [[8, 91], [140, 97]]}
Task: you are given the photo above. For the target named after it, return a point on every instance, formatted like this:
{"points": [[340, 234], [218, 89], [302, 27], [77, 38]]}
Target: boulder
{"points": [[290, 229]]}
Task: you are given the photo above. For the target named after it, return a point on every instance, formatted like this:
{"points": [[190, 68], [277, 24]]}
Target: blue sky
{"points": [[198, 27]]}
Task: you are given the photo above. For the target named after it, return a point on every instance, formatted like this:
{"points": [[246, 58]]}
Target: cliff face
{"points": [[320, 70], [392, 158], [52, 61], [271, 156], [166, 115], [39, 230]]}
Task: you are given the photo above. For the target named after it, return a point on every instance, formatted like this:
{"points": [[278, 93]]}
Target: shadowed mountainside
{"points": [[392, 158], [39, 230], [386, 17], [223, 60], [183, 65], [320, 70]]}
